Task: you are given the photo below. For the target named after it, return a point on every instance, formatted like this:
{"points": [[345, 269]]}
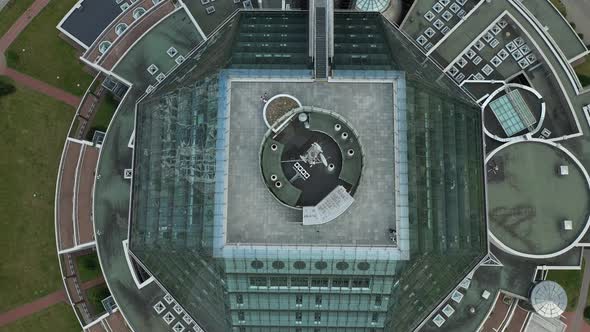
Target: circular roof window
{"points": [[299, 265], [257, 264], [104, 46], [120, 28], [321, 265], [278, 265], [342, 266], [363, 266], [137, 13]]}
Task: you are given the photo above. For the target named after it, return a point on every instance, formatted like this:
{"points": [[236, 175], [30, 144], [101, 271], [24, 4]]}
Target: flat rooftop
{"points": [[88, 18], [254, 216], [529, 201]]}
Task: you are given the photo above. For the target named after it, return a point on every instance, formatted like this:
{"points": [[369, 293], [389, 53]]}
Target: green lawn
{"points": [[88, 267], [571, 281], [95, 295], [33, 129], [13, 10], [59, 317], [103, 115], [583, 72], [39, 52]]}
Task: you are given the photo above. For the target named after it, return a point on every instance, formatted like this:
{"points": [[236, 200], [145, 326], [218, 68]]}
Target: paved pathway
{"points": [[42, 303], [28, 81], [21, 23], [42, 87], [578, 318]]}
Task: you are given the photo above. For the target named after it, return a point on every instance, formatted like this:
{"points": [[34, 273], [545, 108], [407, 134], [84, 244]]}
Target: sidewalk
{"points": [[42, 87], [20, 24], [42, 303], [9, 37]]}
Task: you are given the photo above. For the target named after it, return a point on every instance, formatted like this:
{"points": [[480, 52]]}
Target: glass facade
{"points": [[178, 190]]}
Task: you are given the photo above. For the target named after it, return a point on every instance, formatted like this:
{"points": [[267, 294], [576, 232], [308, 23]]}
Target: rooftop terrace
{"points": [[529, 199], [254, 216]]}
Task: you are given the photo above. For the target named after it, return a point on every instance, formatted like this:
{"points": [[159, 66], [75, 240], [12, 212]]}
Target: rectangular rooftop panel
{"points": [[512, 112], [88, 18]]}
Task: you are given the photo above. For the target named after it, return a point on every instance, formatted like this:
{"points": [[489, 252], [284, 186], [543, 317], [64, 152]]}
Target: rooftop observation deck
{"points": [[308, 191], [255, 217], [529, 200]]}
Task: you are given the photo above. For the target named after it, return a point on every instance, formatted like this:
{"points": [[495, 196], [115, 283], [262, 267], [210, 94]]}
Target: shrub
{"points": [[587, 312], [6, 88], [12, 58], [584, 80]]}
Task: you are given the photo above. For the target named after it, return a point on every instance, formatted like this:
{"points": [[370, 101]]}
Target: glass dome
{"points": [[549, 299], [372, 5]]}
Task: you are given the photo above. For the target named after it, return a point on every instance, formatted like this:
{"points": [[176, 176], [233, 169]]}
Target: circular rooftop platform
{"points": [[549, 299], [535, 208], [307, 155]]}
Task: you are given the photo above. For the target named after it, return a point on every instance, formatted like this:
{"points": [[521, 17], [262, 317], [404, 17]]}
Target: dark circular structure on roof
{"points": [[525, 181], [308, 154]]}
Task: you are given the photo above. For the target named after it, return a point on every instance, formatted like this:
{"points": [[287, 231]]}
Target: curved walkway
{"points": [[8, 38]]}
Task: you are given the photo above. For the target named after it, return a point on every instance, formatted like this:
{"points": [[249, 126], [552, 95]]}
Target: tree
{"points": [[6, 88]]}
